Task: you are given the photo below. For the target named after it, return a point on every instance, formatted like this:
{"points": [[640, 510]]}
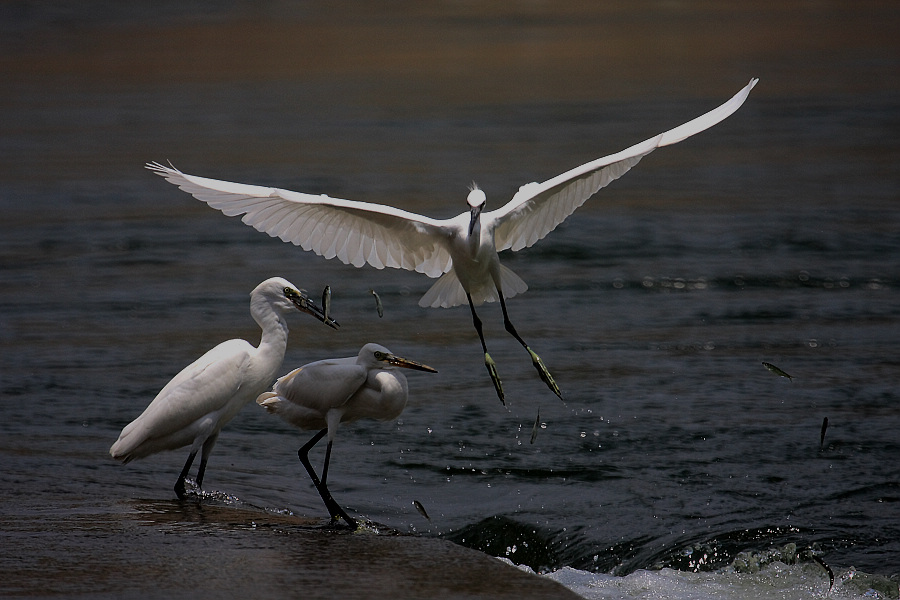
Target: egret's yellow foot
{"points": [[492, 371], [545, 375]]}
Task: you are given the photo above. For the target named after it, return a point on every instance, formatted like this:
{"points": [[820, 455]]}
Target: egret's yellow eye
{"points": [[294, 296]]}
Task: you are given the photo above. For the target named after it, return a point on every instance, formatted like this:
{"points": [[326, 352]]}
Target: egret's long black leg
{"points": [[201, 471], [179, 485], [488, 361], [542, 370], [204, 457], [327, 460], [334, 510]]}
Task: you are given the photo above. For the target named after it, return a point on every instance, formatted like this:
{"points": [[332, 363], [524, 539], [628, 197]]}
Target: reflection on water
{"points": [[212, 511]]}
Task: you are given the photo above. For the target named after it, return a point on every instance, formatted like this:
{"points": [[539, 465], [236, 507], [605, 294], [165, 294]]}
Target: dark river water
{"points": [[773, 237]]}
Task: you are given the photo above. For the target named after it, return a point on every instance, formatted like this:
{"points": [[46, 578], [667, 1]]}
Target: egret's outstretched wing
{"points": [[354, 232], [538, 208]]}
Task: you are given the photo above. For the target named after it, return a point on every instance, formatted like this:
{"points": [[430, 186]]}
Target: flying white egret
{"points": [[461, 251], [192, 408], [326, 393]]}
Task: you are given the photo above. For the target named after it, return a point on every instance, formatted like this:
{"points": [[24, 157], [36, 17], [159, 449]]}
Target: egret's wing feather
{"points": [[538, 208], [356, 233], [322, 385], [204, 387], [305, 396]]}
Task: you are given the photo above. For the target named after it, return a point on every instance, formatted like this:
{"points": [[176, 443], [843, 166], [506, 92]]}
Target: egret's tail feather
{"points": [[124, 448], [447, 291], [511, 283], [119, 454], [295, 414], [269, 401]]}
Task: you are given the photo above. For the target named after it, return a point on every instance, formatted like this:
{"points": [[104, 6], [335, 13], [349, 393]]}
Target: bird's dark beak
{"points": [[304, 304], [399, 361], [475, 212]]}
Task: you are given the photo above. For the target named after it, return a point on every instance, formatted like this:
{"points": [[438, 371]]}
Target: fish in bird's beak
{"points": [[304, 304], [399, 361], [326, 302], [475, 212]]}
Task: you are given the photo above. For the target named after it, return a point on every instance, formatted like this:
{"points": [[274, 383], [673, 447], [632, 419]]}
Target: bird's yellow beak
{"points": [[399, 361], [304, 304]]}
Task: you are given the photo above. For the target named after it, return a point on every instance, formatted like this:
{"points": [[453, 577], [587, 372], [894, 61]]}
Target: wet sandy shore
{"points": [[166, 548]]}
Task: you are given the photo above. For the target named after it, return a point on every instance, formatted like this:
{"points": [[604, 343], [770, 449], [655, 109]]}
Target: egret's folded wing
{"points": [[354, 232], [202, 388], [538, 208], [322, 385]]}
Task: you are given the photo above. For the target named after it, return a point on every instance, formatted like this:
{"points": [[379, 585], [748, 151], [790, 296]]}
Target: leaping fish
{"points": [[378, 305], [776, 370]]}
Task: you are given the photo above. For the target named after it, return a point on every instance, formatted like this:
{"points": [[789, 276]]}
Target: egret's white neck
{"points": [[274, 328]]}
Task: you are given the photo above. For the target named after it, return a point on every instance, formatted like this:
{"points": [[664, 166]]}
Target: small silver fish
{"points": [[534, 429], [776, 370], [421, 509], [326, 302], [378, 305], [822, 437]]}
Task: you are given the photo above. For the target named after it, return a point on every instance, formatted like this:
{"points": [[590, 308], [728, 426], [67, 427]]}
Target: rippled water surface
{"points": [[774, 237]]}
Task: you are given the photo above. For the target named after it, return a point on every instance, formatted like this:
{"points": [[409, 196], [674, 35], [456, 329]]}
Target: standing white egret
{"points": [[461, 251], [326, 393], [192, 408]]}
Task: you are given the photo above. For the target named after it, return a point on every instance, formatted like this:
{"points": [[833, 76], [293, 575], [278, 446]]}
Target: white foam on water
{"points": [[777, 581]]}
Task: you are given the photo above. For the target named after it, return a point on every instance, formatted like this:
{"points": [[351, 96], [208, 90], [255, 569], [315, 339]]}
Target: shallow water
{"points": [[772, 237]]}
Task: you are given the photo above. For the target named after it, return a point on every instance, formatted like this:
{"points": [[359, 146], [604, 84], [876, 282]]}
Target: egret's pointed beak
{"points": [[399, 361], [475, 212], [304, 304]]}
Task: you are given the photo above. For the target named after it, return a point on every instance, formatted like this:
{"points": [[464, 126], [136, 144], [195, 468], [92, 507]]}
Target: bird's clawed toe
{"points": [[187, 488], [334, 509], [350, 521]]}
